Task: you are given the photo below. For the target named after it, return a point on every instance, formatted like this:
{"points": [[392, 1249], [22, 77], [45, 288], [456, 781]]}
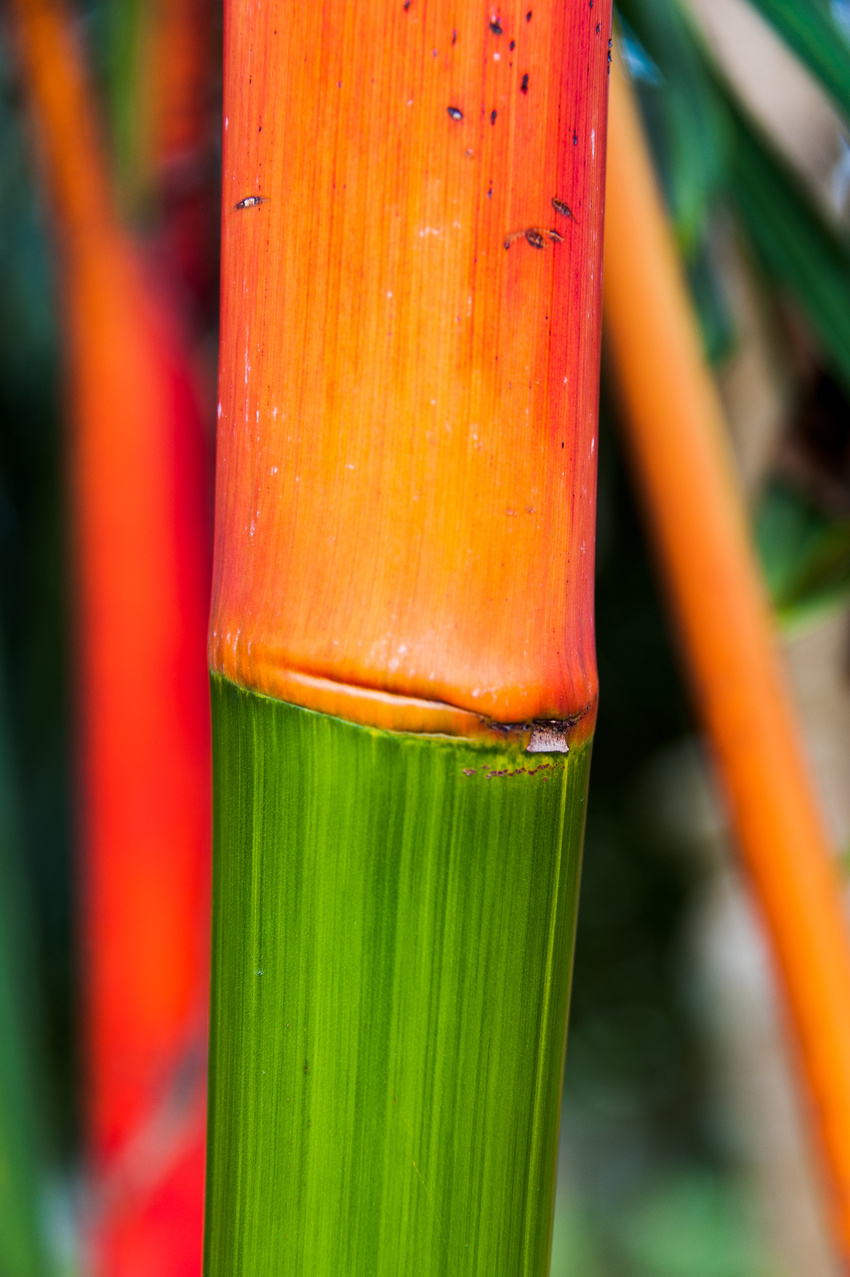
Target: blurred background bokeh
{"points": [[683, 1146]]}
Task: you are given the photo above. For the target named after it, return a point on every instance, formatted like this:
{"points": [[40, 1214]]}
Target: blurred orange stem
{"points": [[676, 433], [137, 497]]}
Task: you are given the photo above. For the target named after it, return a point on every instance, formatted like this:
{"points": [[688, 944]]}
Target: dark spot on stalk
{"points": [[495, 28], [406, 5], [528, 16], [455, 112], [306, 1069], [250, 201], [535, 237], [490, 192], [575, 139], [492, 117], [512, 45], [470, 771], [562, 445], [523, 88], [597, 28], [454, 37]]}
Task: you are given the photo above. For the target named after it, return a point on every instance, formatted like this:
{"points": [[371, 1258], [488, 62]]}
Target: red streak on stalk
{"points": [[406, 476], [136, 458]]}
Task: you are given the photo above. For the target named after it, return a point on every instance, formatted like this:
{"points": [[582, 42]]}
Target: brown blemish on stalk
{"points": [[454, 112], [495, 28], [523, 88], [250, 201], [536, 236], [493, 117]]}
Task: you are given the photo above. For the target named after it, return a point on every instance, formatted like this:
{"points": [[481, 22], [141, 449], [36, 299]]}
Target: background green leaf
{"points": [[819, 33]]}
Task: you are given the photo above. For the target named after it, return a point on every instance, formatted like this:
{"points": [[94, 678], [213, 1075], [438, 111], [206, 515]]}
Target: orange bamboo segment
{"points": [[679, 444], [409, 358]]}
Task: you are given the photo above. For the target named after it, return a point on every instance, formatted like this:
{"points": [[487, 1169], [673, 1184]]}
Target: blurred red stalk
{"points": [[138, 477]]}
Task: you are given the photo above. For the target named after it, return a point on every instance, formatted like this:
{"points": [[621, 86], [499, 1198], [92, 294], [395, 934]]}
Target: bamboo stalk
{"points": [[137, 480], [677, 438], [404, 533]]}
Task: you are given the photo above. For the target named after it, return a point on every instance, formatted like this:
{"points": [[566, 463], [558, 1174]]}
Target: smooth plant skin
{"points": [[392, 952]]}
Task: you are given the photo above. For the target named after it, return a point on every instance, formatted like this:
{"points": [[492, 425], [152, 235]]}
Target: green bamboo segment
{"points": [[393, 930]]}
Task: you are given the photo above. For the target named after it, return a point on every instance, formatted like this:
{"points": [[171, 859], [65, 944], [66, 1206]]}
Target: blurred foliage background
{"points": [[683, 1153]]}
